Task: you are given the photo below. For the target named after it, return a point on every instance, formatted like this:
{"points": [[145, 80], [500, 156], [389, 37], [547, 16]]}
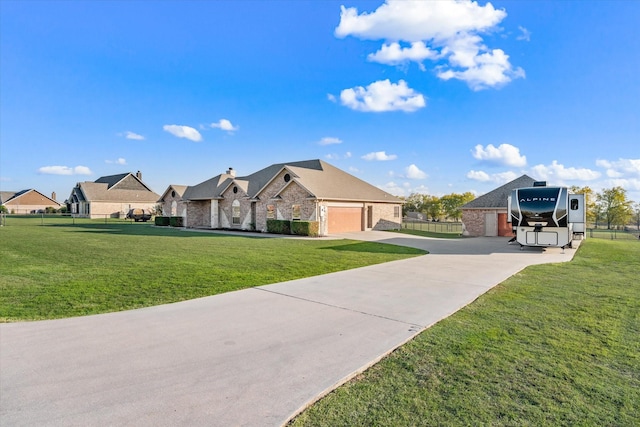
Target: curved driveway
{"points": [[254, 357]]}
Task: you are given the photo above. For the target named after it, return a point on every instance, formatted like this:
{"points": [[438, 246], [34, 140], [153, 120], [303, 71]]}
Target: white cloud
{"points": [[331, 97], [226, 125], [335, 156], [489, 69], [525, 34], [478, 176], [394, 54], [65, 170], [504, 154], [620, 168], [444, 31], [379, 156], [413, 172], [329, 140], [132, 135], [383, 96], [559, 173], [183, 132], [497, 178], [119, 161]]}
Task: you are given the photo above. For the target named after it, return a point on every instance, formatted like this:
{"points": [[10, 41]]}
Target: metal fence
{"points": [[56, 219], [614, 234], [432, 226]]}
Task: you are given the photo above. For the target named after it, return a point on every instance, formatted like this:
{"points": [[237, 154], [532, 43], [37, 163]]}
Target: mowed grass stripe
{"points": [[56, 271], [557, 344]]}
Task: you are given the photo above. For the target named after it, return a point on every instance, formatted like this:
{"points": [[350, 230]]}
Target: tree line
{"points": [[437, 208], [610, 208]]}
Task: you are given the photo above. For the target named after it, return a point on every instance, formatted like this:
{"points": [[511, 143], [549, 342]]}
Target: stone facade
{"points": [[172, 205], [303, 191]]}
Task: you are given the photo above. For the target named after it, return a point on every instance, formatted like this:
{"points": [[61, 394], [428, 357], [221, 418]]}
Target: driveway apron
{"points": [[254, 357]]}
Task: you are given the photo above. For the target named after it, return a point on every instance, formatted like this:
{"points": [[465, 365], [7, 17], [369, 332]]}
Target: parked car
{"points": [[139, 215]]}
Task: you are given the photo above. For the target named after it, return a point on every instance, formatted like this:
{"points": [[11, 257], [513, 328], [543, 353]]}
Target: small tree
{"points": [[614, 206], [451, 204], [432, 207]]}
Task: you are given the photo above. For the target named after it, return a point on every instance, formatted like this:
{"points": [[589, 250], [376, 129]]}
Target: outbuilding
{"points": [[488, 214]]}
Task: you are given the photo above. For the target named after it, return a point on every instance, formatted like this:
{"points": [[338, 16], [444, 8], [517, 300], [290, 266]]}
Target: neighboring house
{"points": [[487, 215], [28, 201], [311, 190], [172, 203], [111, 196]]}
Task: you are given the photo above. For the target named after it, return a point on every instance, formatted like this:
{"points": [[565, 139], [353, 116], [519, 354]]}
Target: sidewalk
{"points": [[254, 357]]}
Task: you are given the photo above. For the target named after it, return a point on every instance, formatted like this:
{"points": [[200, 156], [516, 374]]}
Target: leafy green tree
{"points": [[590, 200], [432, 207], [413, 203], [451, 204], [613, 205]]}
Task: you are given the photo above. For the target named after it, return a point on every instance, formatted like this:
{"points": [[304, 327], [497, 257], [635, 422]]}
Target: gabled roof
{"points": [[498, 197], [209, 189], [13, 196], [322, 180], [179, 189], [115, 188]]}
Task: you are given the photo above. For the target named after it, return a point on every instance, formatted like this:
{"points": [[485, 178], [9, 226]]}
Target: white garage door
{"points": [[343, 220]]}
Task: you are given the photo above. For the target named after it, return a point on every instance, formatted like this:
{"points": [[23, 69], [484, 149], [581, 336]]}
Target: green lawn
{"points": [[557, 344], [62, 270]]}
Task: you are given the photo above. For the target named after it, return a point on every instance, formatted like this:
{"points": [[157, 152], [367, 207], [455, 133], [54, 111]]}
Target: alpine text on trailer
{"points": [[546, 216]]}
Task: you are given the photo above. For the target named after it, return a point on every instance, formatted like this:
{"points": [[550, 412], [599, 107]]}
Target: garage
{"points": [[344, 219]]}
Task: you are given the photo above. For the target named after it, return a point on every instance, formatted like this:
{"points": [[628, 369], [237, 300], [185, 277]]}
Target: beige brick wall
{"points": [[173, 205], [116, 210], [199, 214], [384, 216]]}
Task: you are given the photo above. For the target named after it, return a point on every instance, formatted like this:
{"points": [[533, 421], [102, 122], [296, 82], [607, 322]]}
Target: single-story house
{"points": [[27, 201], [311, 190], [487, 215], [111, 196], [172, 202]]}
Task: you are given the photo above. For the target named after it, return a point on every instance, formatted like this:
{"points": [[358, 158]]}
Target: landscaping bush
{"points": [[176, 221], [299, 228], [278, 226], [162, 221], [305, 228]]}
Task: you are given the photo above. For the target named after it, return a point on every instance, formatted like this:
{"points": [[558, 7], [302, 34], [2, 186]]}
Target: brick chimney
{"points": [[53, 196], [231, 172], [139, 175]]}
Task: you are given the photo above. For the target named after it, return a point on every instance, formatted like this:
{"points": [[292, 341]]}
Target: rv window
{"points": [[574, 204]]}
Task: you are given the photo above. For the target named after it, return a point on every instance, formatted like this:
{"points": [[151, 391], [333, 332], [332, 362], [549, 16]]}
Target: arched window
{"points": [[235, 211]]}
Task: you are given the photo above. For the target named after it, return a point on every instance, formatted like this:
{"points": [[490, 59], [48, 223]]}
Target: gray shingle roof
{"points": [[498, 197], [117, 188], [323, 180]]}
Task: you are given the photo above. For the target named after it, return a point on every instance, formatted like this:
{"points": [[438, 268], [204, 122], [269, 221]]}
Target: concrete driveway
{"points": [[254, 357]]}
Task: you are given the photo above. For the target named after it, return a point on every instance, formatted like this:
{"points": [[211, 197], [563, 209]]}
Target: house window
{"points": [[287, 177], [295, 212], [271, 212], [396, 211], [235, 212]]}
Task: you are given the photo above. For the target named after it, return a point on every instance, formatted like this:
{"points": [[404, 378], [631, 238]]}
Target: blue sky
{"points": [[432, 97]]}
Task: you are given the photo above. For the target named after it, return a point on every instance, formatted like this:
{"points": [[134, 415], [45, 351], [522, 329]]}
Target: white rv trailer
{"points": [[546, 216]]}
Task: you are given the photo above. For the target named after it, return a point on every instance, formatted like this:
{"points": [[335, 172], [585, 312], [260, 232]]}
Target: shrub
{"points": [[162, 221], [278, 226], [305, 228], [299, 228], [177, 221]]}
